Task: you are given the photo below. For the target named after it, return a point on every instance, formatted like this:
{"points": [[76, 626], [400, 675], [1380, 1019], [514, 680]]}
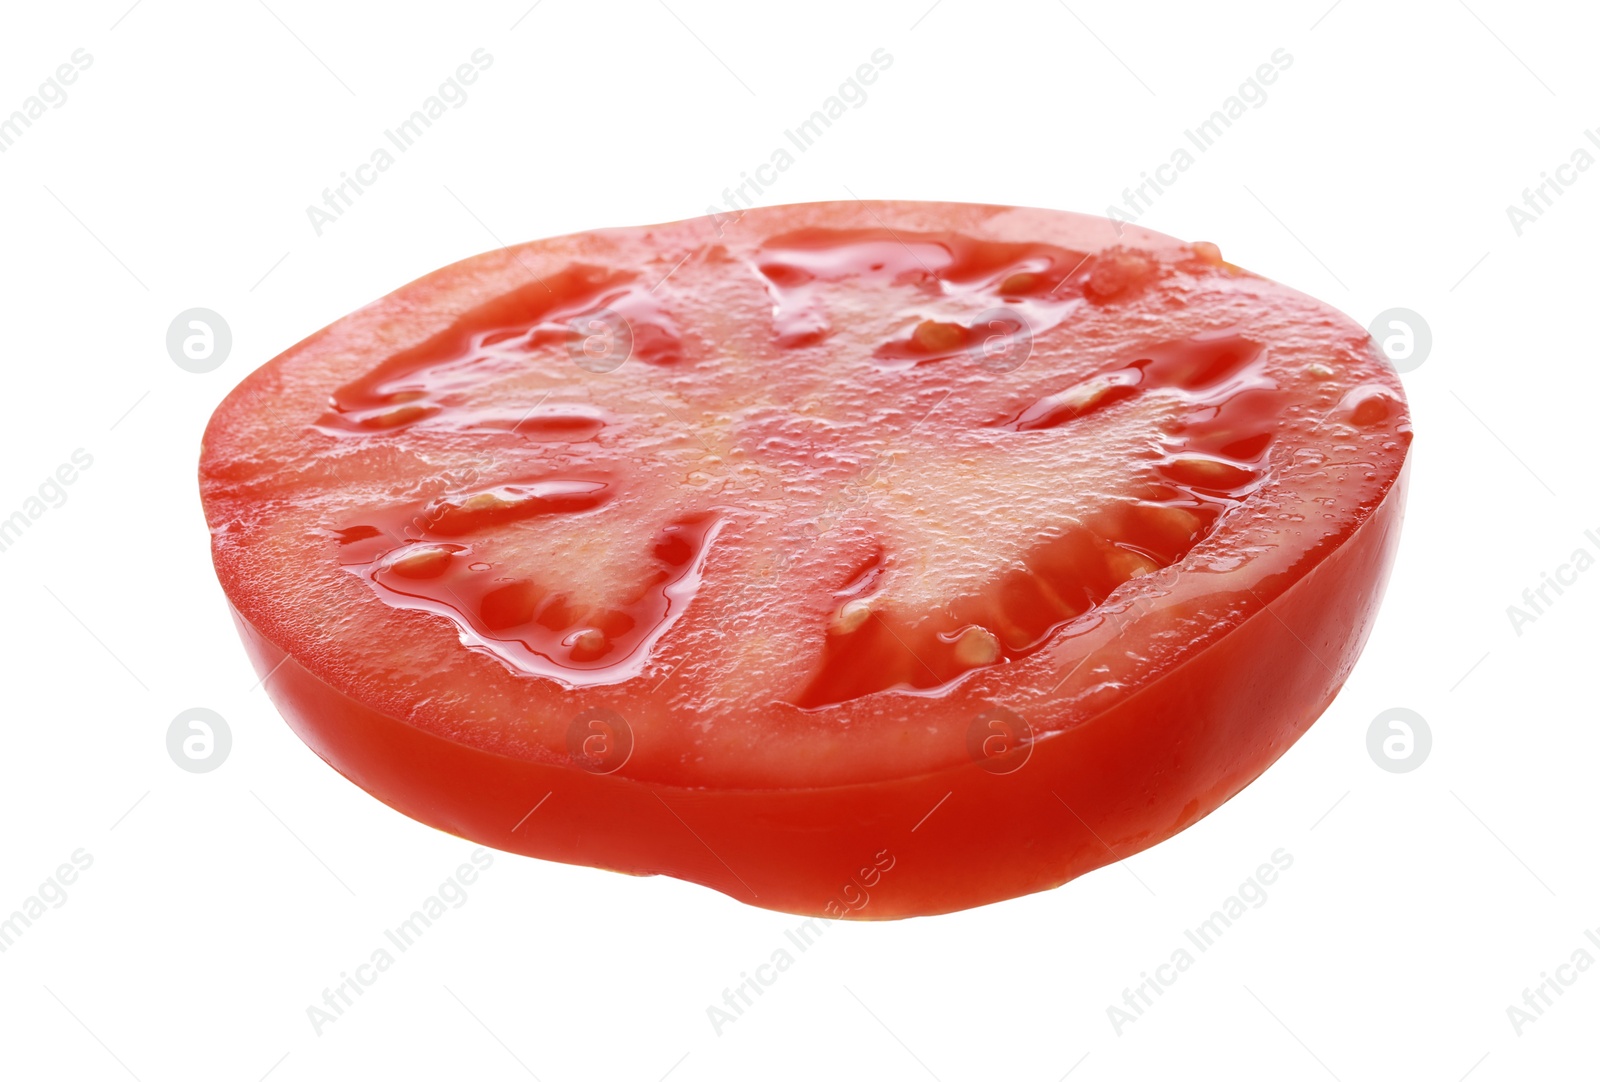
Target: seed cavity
{"points": [[1170, 529], [1019, 284], [394, 418], [533, 625], [977, 646], [350, 535], [933, 336], [1125, 564], [511, 503], [1118, 272], [799, 269], [1210, 474], [1060, 580], [1369, 406], [510, 605], [491, 343], [1077, 401], [587, 644], [422, 561], [851, 615]]}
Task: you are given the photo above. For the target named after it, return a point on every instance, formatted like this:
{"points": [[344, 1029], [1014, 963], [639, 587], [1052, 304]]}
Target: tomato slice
{"points": [[853, 559]]}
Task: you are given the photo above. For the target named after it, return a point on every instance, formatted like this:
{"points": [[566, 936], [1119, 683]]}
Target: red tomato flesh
{"points": [[854, 559]]}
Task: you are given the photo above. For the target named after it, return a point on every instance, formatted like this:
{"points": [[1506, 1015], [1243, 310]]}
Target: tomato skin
{"points": [[1117, 783]]}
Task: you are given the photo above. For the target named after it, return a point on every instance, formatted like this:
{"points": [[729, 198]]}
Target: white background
{"points": [[219, 906]]}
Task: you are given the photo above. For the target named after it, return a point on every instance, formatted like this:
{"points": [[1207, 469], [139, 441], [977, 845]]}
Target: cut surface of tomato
{"points": [[854, 559]]}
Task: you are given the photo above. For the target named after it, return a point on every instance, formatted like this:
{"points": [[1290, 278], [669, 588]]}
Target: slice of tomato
{"points": [[853, 559]]}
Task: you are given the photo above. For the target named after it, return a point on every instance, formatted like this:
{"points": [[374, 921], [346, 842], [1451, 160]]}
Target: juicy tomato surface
{"points": [[864, 559]]}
